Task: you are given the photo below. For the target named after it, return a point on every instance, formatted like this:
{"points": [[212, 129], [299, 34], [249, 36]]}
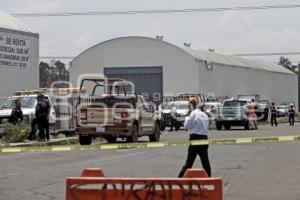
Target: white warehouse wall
{"points": [[178, 67], [182, 72], [14, 78]]}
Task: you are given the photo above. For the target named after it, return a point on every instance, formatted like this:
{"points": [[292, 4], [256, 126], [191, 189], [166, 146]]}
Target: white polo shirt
{"points": [[197, 122]]}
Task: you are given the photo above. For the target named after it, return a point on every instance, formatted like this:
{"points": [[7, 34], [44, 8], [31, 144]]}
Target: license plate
{"points": [[100, 129]]}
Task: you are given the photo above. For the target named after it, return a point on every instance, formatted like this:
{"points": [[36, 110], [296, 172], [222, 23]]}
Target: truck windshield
{"points": [[111, 101], [182, 106], [26, 102], [234, 103]]}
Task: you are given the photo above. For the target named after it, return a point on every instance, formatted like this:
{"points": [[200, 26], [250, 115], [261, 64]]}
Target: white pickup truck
{"points": [[28, 103]]}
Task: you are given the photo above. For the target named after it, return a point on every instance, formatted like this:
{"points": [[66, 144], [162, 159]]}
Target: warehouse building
{"points": [[158, 67], [19, 54]]}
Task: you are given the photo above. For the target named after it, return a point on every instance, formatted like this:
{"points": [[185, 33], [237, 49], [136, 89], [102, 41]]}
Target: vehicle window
{"points": [[26, 102], [182, 106], [234, 103]]}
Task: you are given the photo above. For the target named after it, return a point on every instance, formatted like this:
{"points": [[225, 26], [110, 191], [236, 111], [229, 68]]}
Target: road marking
{"points": [[221, 141]]}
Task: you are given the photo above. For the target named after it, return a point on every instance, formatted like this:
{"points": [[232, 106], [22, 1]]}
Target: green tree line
{"points": [[51, 72]]}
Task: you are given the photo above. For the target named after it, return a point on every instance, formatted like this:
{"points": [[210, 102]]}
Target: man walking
{"points": [[273, 114], [291, 114], [196, 122]]}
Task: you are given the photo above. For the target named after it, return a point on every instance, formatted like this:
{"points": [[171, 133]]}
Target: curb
{"points": [[53, 142]]}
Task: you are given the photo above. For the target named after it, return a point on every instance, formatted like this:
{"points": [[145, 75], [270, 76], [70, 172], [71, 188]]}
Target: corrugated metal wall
{"points": [[148, 80]]}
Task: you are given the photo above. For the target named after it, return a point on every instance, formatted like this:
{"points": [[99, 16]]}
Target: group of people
{"points": [[41, 119], [197, 124], [291, 115]]}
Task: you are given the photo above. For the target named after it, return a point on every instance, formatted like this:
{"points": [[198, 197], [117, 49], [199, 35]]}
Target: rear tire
{"points": [[85, 140], [219, 126], [156, 134], [110, 139], [227, 127], [134, 134]]}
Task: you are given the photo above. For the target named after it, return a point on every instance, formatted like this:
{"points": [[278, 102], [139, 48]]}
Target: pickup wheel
{"points": [[85, 139], [156, 134], [162, 128], [219, 126], [134, 134], [110, 139], [227, 127]]}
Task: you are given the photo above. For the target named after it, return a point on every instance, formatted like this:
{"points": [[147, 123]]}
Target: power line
{"points": [[268, 54], [68, 14]]}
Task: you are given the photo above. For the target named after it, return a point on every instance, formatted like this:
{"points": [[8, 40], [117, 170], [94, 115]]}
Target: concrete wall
{"points": [[14, 78]]}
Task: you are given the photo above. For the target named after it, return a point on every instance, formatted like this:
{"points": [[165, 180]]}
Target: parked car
{"points": [[282, 110], [176, 111]]}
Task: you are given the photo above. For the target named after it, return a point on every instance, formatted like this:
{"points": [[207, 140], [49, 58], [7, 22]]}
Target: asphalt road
{"points": [[263, 171]]}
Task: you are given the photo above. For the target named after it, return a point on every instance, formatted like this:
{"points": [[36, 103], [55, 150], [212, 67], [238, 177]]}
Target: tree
{"points": [[56, 71], [44, 74], [285, 62]]}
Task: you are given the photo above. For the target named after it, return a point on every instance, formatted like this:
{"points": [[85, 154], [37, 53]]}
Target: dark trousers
{"points": [[32, 133], [273, 119], [43, 125], [193, 151], [291, 119]]}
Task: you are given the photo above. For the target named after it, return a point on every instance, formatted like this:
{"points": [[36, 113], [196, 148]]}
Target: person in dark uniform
{"points": [[273, 114], [16, 113], [42, 111], [291, 114], [196, 122]]}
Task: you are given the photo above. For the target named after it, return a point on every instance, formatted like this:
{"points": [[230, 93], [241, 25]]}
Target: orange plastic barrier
{"points": [[92, 185]]}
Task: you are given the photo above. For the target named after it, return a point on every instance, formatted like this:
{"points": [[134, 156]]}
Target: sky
{"points": [[230, 32]]}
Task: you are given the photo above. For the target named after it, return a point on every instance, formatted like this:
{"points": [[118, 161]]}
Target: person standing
{"points": [[273, 114], [16, 113], [42, 111], [196, 122], [291, 114]]}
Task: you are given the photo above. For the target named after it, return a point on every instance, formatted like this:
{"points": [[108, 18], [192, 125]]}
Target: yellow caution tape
{"points": [[222, 141]]}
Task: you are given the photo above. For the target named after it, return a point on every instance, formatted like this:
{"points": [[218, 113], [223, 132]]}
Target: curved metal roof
{"points": [[9, 22], [212, 57], [236, 61]]}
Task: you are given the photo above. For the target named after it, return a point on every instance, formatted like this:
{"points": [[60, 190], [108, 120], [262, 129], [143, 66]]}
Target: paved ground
{"points": [[266, 171]]}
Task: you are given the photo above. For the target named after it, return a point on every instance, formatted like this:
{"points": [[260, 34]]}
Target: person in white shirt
{"points": [[197, 123]]}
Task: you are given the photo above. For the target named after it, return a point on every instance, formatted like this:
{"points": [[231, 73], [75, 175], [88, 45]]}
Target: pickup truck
{"points": [[28, 103], [232, 113], [116, 113]]}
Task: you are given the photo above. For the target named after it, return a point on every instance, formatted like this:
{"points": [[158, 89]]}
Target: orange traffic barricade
{"points": [[93, 185]]}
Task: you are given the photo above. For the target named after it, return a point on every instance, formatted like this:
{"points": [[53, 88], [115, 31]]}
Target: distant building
{"points": [[19, 54], [159, 67]]}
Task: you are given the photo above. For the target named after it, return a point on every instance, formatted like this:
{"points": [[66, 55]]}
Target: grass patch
{"points": [[11, 133]]}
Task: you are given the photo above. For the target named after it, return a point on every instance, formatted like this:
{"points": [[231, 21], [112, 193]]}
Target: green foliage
{"points": [[14, 133], [55, 71]]}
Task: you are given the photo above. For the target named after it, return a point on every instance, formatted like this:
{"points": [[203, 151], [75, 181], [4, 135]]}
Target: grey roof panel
{"points": [[9, 22], [236, 61]]}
